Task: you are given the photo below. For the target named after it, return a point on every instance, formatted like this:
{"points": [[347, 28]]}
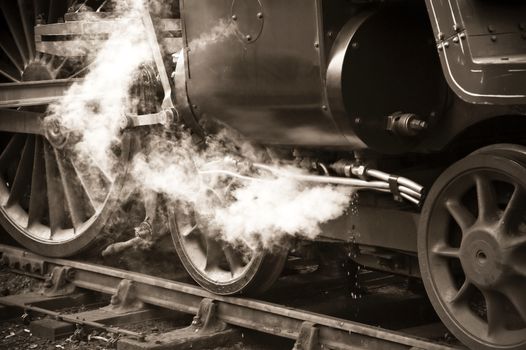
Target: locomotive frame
{"points": [[434, 92]]}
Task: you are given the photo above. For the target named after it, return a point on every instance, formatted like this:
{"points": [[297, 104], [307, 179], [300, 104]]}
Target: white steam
{"points": [[254, 213], [94, 107]]}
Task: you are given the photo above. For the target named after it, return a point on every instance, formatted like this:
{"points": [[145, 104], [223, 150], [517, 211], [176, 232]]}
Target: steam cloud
{"points": [[249, 212]]}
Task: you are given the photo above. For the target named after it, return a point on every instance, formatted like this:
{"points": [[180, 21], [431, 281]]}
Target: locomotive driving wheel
{"points": [[219, 266], [51, 201], [472, 248]]}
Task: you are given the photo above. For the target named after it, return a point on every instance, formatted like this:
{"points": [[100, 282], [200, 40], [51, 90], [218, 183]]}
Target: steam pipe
{"points": [[411, 192], [401, 180]]}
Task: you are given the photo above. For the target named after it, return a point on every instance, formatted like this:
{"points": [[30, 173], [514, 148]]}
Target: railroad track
{"points": [[138, 296]]}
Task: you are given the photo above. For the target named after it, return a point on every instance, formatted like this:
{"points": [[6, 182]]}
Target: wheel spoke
{"points": [[214, 253], [11, 151], [514, 210], [187, 230], [94, 193], [9, 48], [446, 252], [495, 312], [28, 19], [38, 199], [9, 71], [23, 172], [235, 262], [14, 23], [55, 191], [79, 206], [486, 197], [515, 292], [460, 214], [463, 293]]}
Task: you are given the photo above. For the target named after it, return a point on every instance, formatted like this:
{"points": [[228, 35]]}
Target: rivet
{"points": [[195, 106], [456, 27], [234, 17], [441, 36], [316, 44], [324, 107], [462, 36], [493, 38], [260, 15], [491, 28], [248, 37], [355, 45], [357, 120], [446, 44], [455, 39]]}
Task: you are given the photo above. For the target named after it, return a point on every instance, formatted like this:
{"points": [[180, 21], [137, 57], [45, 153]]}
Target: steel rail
{"points": [[243, 312]]}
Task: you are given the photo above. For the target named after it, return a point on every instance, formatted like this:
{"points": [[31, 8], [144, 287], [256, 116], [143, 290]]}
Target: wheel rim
{"points": [[51, 200], [474, 267]]}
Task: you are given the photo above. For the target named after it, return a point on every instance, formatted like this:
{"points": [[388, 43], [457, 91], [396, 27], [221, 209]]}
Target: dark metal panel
{"points": [[374, 226], [269, 87], [484, 59]]}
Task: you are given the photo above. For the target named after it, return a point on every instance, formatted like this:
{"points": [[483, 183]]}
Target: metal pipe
{"points": [[324, 179], [401, 180], [229, 173], [409, 198], [409, 193]]}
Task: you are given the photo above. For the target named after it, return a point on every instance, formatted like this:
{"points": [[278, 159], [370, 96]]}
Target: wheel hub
{"points": [[37, 71], [481, 257]]}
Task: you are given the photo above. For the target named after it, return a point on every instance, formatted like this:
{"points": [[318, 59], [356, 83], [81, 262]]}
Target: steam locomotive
{"points": [[434, 92]]}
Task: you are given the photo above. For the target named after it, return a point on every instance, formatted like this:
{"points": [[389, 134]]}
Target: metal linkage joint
{"points": [[164, 117]]}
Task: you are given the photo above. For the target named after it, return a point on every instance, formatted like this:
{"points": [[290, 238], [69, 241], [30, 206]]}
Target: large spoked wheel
{"points": [[218, 266], [51, 201], [472, 248]]}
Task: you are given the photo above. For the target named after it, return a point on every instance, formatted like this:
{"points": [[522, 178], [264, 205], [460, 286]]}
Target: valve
{"points": [[405, 124]]}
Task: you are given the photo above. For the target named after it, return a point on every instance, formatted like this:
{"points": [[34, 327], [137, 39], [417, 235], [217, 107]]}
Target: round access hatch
{"points": [[248, 17]]}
